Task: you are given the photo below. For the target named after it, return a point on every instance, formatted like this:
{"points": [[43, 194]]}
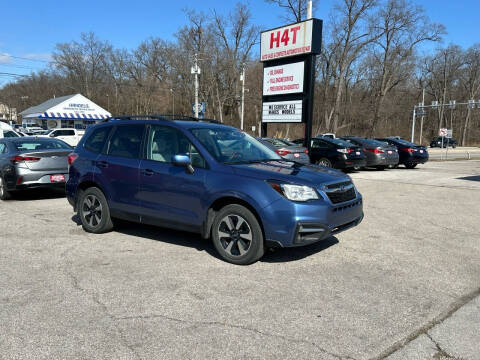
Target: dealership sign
{"points": [[283, 79], [282, 111], [291, 40]]}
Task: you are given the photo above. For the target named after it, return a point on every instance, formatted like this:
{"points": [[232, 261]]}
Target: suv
{"points": [[445, 142], [69, 135], [208, 178]]}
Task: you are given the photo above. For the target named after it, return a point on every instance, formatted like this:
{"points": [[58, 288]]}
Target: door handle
{"points": [[148, 172], [102, 164]]}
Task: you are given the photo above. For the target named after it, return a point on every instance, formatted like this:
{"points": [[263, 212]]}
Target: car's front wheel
{"points": [[237, 235], [410, 165], [94, 212]]}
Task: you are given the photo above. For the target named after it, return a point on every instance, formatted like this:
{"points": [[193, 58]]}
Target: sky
{"points": [[31, 28]]}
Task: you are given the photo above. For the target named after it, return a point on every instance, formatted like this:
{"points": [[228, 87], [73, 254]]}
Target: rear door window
{"points": [[97, 139], [3, 148], [126, 141]]}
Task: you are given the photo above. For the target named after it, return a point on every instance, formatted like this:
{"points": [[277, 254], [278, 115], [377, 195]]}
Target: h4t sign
{"points": [[297, 39]]}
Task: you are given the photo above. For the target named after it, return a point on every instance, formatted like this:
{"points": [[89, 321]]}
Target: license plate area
{"points": [[57, 178]]}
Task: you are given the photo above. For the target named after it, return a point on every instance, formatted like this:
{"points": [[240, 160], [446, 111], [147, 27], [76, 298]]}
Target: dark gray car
{"points": [[28, 162], [378, 154], [287, 150]]}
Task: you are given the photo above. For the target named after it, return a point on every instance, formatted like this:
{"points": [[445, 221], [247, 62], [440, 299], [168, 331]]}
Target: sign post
{"points": [[288, 54]]}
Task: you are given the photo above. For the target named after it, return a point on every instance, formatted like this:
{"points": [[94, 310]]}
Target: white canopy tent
{"points": [[72, 111]]}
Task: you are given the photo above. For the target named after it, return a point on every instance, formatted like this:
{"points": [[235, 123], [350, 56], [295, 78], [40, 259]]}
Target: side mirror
{"points": [[183, 160]]}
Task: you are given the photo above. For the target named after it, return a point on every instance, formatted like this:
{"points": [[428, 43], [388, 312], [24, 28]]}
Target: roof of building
{"points": [[46, 105]]}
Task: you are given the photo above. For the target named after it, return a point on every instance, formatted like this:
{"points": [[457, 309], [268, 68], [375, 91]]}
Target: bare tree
{"points": [[296, 10]]}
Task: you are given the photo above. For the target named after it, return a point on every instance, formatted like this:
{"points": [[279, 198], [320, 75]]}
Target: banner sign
{"points": [[283, 79], [282, 111], [297, 39]]}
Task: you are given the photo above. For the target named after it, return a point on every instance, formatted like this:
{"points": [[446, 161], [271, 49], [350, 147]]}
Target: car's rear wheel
{"points": [[324, 162], [4, 193], [94, 212], [410, 165], [237, 235], [381, 167]]}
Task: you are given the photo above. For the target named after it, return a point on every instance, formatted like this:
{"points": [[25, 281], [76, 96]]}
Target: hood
{"points": [[290, 172]]}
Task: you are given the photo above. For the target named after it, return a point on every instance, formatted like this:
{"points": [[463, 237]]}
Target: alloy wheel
{"points": [[92, 210], [235, 235], [1, 187]]}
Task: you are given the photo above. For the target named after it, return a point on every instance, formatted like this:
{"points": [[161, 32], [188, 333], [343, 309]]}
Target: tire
{"points": [[381, 167], [410, 166], [324, 162], [237, 235], [4, 193], [94, 212]]}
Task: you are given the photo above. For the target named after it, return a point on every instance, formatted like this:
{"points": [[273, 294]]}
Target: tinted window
{"points": [[126, 141], [319, 144], [3, 148], [41, 144], [164, 142], [339, 142], [97, 139]]}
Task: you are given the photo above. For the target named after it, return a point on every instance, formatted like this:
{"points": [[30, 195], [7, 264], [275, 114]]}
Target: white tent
{"points": [[66, 111]]}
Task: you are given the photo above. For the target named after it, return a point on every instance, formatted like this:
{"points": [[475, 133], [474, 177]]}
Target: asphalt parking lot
{"points": [[405, 284]]}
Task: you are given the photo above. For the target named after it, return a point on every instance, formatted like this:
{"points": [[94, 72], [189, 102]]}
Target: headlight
{"points": [[295, 192]]}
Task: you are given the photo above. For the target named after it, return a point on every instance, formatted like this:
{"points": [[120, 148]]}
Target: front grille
{"points": [[341, 196], [338, 185]]}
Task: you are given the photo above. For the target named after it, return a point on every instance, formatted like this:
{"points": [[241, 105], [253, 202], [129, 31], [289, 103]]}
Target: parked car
{"points": [[335, 153], [287, 150], [70, 136], [7, 131], [329, 135], [207, 178], [378, 154], [28, 162], [446, 142], [410, 154]]}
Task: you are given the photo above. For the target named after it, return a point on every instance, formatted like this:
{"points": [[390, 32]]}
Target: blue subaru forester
{"points": [[208, 178]]}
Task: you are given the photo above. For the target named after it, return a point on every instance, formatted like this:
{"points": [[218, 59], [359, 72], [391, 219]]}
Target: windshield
{"points": [[37, 144], [231, 146]]}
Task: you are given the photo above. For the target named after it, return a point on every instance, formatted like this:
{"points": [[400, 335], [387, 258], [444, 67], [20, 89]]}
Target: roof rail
{"points": [[167, 117]]}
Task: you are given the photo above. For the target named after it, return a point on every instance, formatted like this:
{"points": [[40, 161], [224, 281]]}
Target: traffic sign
{"points": [[443, 132], [201, 108], [449, 133]]}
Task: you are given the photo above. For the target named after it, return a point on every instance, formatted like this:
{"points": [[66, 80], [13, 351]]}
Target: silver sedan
{"points": [[29, 162]]}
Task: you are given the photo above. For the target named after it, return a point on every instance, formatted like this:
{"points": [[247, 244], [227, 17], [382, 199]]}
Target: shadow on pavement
{"points": [[470, 178], [38, 194], [192, 240], [298, 253]]}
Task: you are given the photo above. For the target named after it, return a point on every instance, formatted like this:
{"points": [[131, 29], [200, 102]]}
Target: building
{"points": [[7, 113], [71, 111]]}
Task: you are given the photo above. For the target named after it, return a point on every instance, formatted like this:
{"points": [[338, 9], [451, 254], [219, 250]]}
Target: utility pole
{"points": [[423, 117], [173, 101], [242, 79], [196, 71]]}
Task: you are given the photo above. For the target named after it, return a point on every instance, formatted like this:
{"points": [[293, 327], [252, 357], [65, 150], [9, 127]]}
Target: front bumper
{"points": [[289, 224]]}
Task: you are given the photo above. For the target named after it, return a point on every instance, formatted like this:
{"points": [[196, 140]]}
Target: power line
{"points": [[24, 58], [12, 74]]}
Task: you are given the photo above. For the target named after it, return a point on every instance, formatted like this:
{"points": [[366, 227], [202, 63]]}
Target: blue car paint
{"points": [[183, 201]]}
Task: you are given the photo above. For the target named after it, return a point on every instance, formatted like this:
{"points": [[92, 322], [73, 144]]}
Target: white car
{"points": [[69, 135], [7, 131]]}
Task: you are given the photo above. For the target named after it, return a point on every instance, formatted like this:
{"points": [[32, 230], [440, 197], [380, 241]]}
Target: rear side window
{"points": [[126, 141], [97, 139], [3, 148]]}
